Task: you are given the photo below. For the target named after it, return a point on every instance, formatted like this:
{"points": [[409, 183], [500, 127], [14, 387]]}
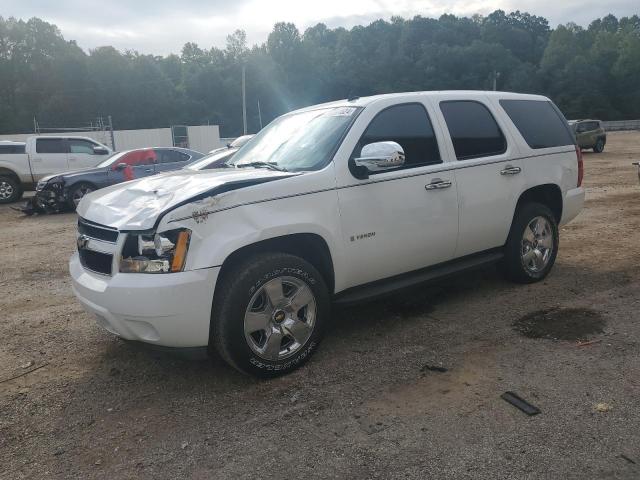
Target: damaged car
{"points": [[334, 203], [63, 192]]}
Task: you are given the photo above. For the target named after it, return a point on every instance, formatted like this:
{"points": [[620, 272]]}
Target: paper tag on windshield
{"points": [[341, 112]]}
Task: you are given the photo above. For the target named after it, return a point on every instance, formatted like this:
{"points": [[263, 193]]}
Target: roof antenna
{"points": [[352, 98]]}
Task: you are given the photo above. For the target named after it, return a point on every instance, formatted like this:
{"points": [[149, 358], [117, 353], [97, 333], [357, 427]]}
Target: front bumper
{"points": [[171, 310], [573, 203]]}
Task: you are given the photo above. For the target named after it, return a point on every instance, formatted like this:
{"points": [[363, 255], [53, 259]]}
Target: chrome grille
{"points": [[97, 231]]}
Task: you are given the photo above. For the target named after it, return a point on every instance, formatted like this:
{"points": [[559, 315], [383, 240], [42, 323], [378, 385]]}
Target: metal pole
{"points": [[113, 138], [244, 100], [259, 115]]}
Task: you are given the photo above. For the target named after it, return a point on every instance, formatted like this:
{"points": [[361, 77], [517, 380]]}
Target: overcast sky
{"points": [[163, 26]]}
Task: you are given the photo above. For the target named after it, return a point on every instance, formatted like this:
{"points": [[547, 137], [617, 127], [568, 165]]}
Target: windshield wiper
{"points": [[269, 165]]}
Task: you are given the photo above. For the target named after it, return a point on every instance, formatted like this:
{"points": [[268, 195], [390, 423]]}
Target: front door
{"points": [[401, 220], [81, 154]]}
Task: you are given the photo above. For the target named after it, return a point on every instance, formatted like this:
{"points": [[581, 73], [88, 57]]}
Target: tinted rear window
{"points": [[539, 123], [7, 149], [474, 132], [50, 145]]}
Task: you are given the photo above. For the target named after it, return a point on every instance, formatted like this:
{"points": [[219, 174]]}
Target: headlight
{"points": [[164, 252]]}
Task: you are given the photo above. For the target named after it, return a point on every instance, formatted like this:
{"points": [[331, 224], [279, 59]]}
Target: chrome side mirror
{"points": [[380, 156]]}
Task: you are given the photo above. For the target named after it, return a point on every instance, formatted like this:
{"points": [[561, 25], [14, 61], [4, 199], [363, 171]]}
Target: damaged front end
{"points": [[51, 197]]}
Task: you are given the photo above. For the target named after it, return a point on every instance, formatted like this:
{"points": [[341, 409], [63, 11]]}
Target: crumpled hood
{"points": [[69, 175], [136, 205]]}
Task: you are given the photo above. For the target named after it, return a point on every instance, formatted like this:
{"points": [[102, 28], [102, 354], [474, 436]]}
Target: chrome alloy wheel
{"points": [[6, 190], [79, 193], [537, 245], [280, 318]]}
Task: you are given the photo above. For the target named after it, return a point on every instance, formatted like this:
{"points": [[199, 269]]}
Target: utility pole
{"points": [[259, 114], [244, 100], [495, 80]]}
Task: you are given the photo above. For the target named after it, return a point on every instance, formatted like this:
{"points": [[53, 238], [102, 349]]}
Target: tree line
{"points": [[589, 72]]}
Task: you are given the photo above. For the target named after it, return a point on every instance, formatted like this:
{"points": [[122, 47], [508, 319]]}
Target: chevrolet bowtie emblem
{"points": [[83, 241]]}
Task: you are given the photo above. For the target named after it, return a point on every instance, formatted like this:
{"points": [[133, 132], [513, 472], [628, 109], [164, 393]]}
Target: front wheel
{"points": [[78, 192], [269, 314], [532, 245]]}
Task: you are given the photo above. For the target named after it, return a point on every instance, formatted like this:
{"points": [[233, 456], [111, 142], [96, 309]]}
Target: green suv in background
{"points": [[589, 134]]}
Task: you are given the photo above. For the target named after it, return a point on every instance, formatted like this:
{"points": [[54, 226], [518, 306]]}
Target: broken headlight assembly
{"points": [[164, 252]]}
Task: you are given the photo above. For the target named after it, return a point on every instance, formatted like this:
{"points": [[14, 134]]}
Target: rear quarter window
{"points": [[539, 122]]}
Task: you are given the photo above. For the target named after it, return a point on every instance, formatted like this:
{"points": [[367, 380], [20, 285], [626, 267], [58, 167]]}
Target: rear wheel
{"points": [[599, 146], [77, 193], [532, 245], [269, 314], [10, 190]]}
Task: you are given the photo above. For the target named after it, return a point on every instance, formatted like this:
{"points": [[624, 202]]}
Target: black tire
{"points": [[518, 249], [599, 146], [76, 189], [10, 189], [236, 290]]}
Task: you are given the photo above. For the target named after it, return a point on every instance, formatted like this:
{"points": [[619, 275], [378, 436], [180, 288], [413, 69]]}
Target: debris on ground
{"points": [[585, 344], [27, 365], [602, 407], [433, 368], [623, 456], [521, 404]]}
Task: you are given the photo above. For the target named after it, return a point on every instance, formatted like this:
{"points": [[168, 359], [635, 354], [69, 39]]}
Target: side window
{"points": [[80, 146], [171, 156], [539, 123], [410, 127], [474, 132], [9, 149], [50, 145]]}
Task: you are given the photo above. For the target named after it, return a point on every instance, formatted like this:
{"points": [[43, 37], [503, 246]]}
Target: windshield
{"points": [[213, 160], [113, 158], [298, 141]]}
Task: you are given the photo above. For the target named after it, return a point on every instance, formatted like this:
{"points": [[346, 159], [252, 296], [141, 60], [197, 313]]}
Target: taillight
{"points": [[580, 165]]}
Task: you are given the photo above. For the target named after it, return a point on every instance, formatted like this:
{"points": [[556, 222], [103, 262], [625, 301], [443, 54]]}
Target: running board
{"points": [[390, 285]]}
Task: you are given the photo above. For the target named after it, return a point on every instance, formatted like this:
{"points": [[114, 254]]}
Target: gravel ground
{"points": [[367, 405]]}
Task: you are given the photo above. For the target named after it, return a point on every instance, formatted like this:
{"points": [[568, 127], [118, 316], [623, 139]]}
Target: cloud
{"points": [[162, 26]]}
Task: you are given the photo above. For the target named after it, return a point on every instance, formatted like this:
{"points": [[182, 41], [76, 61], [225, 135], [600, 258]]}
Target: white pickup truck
{"points": [[23, 164], [333, 203]]}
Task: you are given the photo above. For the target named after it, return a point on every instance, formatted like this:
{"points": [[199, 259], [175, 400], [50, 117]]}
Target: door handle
{"points": [[510, 170], [437, 184], [148, 170]]}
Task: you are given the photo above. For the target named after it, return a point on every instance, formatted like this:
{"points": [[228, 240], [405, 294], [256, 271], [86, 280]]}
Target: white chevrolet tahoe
{"points": [[23, 164], [333, 203]]}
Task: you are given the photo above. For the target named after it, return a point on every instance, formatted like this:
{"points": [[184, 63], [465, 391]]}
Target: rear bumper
{"points": [[171, 310], [573, 203]]}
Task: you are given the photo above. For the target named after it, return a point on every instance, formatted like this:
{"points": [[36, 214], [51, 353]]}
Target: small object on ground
{"points": [[622, 455], [520, 403], [433, 368], [27, 365], [591, 342], [184, 445], [603, 407], [23, 373]]}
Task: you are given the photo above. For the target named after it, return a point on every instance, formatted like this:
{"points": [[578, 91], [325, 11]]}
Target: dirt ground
{"points": [[369, 404]]}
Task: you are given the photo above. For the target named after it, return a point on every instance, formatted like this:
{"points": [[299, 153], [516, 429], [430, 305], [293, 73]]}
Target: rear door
{"points": [[81, 154], [50, 157], [489, 179], [168, 159]]}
